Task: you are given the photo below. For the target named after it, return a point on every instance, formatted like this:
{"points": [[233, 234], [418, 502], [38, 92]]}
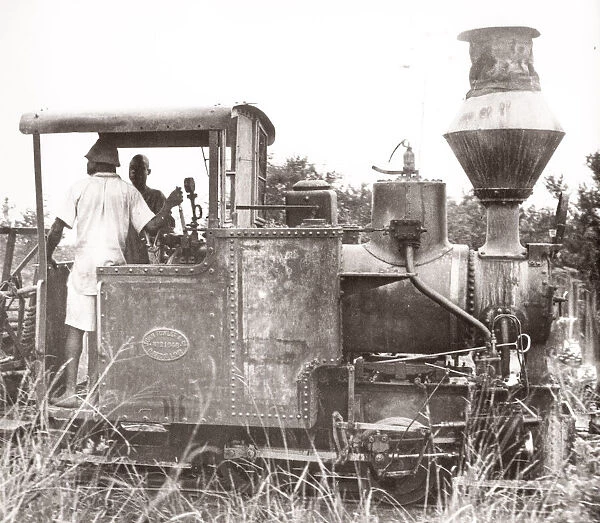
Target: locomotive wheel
{"points": [[209, 469], [405, 490], [236, 476]]}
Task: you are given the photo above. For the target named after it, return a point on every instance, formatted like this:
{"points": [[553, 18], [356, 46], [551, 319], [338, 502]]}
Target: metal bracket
{"points": [[239, 451], [407, 231]]}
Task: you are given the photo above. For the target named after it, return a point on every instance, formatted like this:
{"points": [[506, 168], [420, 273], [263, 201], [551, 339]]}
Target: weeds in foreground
{"points": [[36, 485]]}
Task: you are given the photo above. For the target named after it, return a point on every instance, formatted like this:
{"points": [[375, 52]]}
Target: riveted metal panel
{"points": [[285, 299], [231, 341], [161, 356]]}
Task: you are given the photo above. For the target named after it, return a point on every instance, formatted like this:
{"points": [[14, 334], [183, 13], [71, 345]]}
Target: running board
{"points": [[82, 457]]}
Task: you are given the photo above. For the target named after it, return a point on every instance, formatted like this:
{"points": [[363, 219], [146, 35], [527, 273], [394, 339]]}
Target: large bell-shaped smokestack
{"points": [[504, 134]]}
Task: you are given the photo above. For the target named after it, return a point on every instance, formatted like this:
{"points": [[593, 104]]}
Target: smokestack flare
{"points": [[504, 134]]}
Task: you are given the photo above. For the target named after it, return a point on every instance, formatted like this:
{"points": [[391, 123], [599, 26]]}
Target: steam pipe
{"points": [[442, 301]]}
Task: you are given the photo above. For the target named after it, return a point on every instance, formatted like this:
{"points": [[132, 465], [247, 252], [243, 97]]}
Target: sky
{"points": [[342, 81]]}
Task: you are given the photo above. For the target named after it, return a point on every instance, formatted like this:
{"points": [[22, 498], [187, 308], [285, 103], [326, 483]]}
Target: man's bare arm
{"points": [[54, 237], [162, 218]]}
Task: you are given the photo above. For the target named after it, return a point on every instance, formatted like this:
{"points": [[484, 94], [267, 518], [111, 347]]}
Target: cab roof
{"points": [[163, 121]]}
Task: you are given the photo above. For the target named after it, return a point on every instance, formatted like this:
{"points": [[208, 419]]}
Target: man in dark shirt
{"points": [[139, 170]]}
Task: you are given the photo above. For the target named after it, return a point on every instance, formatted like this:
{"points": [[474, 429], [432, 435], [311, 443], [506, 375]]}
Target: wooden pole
{"points": [[40, 330]]}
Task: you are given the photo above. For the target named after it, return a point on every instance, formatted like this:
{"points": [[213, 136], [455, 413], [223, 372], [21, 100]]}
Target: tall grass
{"points": [[41, 479], [36, 485]]}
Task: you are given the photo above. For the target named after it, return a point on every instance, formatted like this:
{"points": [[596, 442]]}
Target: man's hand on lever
{"points": [[175, 198], [160, 220]]}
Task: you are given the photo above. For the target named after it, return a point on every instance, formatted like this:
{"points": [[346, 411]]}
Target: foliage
{"points": [[281, 178], [583, 242], [535, 224], [467, 222], [555, 186], [354, 204]]}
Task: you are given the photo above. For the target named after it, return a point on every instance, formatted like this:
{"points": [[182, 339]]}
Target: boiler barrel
{"points": [[380, 314], [396, 317]]}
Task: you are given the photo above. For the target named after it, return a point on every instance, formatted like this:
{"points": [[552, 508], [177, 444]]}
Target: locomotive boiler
{"points": [[402, 360]]}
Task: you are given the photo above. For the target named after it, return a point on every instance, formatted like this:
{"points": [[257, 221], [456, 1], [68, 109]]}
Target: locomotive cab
{"points": [[205, 338], [233, 142]]}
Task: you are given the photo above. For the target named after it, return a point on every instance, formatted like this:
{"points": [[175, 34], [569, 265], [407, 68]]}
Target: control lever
{"points": [[182, 219], [185, 241], [190, 186]]}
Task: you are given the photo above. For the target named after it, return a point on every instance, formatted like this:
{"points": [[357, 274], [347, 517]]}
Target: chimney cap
{"points": [[483, 32]]}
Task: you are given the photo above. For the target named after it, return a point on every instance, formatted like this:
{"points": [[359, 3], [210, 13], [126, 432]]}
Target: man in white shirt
{"points": [[103, 206]]}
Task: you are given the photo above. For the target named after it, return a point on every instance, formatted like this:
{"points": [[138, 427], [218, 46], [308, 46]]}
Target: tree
{"points": [[535, 224], [354, 204], [281, 178], [556, 186], [581, 242], [466, 221], [584, 242]]}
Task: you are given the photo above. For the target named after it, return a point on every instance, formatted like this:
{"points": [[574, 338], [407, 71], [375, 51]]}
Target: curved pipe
{"points": [[444, 302]]}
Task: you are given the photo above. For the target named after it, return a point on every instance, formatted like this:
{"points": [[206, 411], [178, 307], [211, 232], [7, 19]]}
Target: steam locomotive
{"points": [[403, 360]]}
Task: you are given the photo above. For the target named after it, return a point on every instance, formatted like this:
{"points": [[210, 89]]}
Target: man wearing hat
{"points": [[103, 206]]}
